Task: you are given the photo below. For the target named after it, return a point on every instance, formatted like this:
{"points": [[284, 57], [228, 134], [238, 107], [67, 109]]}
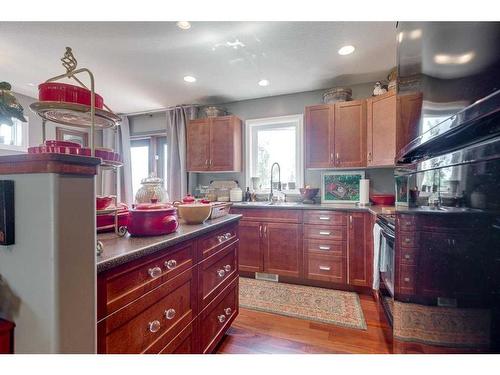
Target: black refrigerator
{"points": [[447, 247]]}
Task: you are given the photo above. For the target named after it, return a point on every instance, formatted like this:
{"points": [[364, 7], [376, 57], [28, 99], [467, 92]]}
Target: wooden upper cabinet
{"points": [[381, 121], [198, 145], [319, 132], [350, 134], [214, 144], [335, 135]]}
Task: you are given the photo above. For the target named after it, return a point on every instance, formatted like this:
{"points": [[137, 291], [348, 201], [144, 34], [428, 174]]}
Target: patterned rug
{"points": [[305, 302]]}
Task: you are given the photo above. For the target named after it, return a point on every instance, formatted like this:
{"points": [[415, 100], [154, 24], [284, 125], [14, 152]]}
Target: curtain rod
{"points": [[159, 110]]}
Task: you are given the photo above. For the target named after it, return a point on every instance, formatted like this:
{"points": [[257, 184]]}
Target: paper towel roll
{"points": [[364, 191]]}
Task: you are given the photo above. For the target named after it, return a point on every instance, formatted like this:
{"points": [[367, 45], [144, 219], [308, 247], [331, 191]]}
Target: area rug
{"points": [[305, 302]]}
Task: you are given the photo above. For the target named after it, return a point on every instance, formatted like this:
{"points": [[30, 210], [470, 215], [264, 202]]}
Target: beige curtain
{"points": [[177, 179]]}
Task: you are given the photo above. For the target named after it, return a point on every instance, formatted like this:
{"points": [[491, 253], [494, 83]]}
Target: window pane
{"points": [[140, 165], [276, 145], [11, 135]]}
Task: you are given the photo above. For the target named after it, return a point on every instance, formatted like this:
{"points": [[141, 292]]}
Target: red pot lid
{"points": [[154, 207], [188, 199]]}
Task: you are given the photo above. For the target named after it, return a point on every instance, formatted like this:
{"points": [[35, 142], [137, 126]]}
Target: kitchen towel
{"points": [[376, 256]]}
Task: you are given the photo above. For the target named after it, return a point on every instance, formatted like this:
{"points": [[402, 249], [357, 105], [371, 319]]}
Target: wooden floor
{"points": [[260, 333]]}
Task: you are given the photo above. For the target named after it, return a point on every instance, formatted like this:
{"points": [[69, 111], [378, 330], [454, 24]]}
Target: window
{"points": [[275, 139], [148, 155], [14, 137]]}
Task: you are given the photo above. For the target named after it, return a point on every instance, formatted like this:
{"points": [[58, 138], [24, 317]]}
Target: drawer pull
{"points": [[154, 272], [227, 236], [169, 314], [222, 318], [407, 240], [154, 326], [227, 268], [324, 247], [406, 279], [324, 233], [228, 311], [221, 238], [324, 217], [407, 256], [221, 273], [324, 268], [171, 264]]}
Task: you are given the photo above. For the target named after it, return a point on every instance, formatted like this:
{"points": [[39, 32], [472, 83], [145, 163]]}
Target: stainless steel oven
{"points": [[386, 252]]}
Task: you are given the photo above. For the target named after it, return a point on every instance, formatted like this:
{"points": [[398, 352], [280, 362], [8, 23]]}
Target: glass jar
{"points": [[152, 190]]}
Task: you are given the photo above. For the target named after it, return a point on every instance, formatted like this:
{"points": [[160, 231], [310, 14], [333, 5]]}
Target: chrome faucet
{"points": [[279, 180]]}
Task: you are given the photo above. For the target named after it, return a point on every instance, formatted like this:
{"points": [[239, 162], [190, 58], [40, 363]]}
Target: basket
{"points": [[337, 94]]}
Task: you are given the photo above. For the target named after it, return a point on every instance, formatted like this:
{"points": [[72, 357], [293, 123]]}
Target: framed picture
{"points": [[340, 186], [63, 134]]}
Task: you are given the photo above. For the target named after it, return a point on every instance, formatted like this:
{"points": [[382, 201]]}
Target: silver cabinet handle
{"points": [[171, 264], [337, 156], [324, 268], [154, 326], [324, 217], [227, 236], [228, 311], [406, 279], [227, 268], [206, 162], [324, 233], [260, 230], [407, 256], [169, 314], [331, 156], [222, 318], [221, 273], [154, 272], [369, 156], [221, 238], [265, 230], [407, 240], [324, 247]]}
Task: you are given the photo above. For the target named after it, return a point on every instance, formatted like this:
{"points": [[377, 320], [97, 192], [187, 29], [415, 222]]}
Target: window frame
{"points": [[25, 138], [253, 125]]}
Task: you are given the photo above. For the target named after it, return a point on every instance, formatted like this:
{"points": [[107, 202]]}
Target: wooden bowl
{"points": [[194, 213]]}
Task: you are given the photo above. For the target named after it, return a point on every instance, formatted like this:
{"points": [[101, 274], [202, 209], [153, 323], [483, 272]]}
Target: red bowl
{"points": [[63, 92], [383, 199], [103, 202]]}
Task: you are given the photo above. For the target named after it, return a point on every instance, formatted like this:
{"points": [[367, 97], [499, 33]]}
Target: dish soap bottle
{"points": [[248, 195]]}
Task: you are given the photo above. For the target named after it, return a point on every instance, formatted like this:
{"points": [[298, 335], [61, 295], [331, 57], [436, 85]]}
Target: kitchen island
{"points": [[176, 293]]}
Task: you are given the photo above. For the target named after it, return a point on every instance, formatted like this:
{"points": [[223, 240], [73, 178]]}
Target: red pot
{"points": [[102, 202], [383, 199], [56, 143], [62, 92], [152, 219]]}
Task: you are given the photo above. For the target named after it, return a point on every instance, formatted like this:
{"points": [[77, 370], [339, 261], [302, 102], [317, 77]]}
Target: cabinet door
{"points": [[359, 250], [319, 136], [350, 134], [225, 143], [197, 141], [251, 258], [381, 122], [282, 248]]}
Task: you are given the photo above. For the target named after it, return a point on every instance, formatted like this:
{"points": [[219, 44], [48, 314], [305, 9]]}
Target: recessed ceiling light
{"points": [[346, 50], [184, 25], [189, 79], [263, 82], [454, 59]]}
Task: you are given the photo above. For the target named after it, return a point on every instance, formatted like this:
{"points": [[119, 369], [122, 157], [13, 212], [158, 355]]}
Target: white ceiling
{"points": [[140, 65]]}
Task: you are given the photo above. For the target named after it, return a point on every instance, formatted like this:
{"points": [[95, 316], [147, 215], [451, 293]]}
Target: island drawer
{"points": [[325, 217], [408, 239], [183, 343], [325, 232], [150, 323], [329, 268], [125, 283], [216, 272], [337, 248], [216, 318], [214, 241]]}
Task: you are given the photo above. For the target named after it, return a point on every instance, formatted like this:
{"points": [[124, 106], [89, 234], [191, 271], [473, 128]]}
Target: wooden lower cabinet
{"points": [[318, 245], [251, 255], [282, 249], [165, 318]]}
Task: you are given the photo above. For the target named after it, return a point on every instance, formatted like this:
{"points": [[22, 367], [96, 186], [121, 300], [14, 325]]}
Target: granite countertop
{"points": [[119, 250], [327, 207]]}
